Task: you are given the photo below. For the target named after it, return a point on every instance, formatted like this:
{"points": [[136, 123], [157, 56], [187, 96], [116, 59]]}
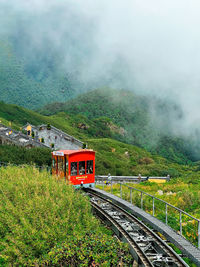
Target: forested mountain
{"points": [[45, 60], [146, 122], [25, 87]]}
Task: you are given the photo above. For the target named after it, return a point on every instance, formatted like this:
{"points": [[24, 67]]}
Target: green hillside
{"points": [[123, 159], [143, 121], [113, 156], [119, 114], [78, 125], [23, 88]]}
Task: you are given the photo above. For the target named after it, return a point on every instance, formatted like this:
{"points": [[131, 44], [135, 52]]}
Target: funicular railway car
{"points": [[76, 166]]}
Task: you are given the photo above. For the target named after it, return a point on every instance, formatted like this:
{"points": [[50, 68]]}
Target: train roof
{"points": [[70, 152]]}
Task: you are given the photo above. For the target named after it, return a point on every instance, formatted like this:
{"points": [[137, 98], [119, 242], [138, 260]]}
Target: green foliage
{"points": [[48, 126], [18, 117], [112, 156], [43, 219], [133, 114], [24, 87], [21, 155], [33, 134], [52, 145], [118, 158], [84, 145], [174, 149], [89, 249]]}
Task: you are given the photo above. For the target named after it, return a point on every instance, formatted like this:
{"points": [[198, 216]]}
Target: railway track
{"points": [[146, 247]]}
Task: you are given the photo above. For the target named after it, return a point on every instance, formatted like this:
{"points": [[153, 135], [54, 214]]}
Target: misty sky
{"points": [[149, 46]]}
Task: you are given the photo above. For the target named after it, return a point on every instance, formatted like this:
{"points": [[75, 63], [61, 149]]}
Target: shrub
{"points": [[52, 145], [119, 172], [84, 145], [172, 172], [38, 213], [146, 161], [21, 155], [88, 250], [48, 126]]}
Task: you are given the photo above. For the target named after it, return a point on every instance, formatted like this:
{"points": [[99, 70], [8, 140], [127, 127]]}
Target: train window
{"points": [[82, 167], [89, 166], [73, 168], [60, 164], [53, 163]]}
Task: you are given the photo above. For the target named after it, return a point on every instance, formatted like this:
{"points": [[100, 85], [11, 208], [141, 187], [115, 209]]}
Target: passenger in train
{"points": [[89, 167], [82, 171], [73, 168]]}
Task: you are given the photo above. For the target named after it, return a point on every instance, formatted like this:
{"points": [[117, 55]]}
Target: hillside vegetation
{"points": [[42, 221], [26, 88], [123, 159], [20, 155], [112, 155], [142, 121], [78, 125]]}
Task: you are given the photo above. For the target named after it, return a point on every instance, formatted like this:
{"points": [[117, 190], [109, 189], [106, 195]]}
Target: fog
{"points": [[149, 46]]}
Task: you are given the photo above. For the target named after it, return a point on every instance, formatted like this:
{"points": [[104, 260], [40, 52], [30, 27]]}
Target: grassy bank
{"points": [[43, 221]]}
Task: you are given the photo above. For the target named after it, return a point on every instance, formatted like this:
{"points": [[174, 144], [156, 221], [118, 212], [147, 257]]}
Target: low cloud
{"points": [[150, 47]]}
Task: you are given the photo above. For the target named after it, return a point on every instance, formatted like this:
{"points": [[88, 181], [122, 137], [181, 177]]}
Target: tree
{"points": [[48, 126]]}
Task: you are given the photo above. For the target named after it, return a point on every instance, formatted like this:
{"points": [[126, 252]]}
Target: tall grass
{"points": [[37, 213]]}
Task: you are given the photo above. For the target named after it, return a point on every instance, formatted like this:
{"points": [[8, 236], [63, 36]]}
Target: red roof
{"points": [[70, 152]]}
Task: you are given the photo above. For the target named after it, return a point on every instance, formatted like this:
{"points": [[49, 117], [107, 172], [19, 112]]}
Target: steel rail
{"points": [[163, 254], [132, 244], [182, 214]]}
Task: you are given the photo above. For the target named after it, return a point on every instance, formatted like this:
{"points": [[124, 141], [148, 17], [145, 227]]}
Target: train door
{"points": [[54, 165], [61, 166], [66, 168]]}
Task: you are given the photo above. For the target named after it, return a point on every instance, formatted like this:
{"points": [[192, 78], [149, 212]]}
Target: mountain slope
{"points": [[147, 122], [112, 156], [23, 88]]}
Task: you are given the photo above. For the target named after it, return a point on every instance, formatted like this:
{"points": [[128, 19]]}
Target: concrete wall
{"points": [[58, 139]]}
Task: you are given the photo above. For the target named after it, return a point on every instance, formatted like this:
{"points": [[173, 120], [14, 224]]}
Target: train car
{"points": [[75, 166]]}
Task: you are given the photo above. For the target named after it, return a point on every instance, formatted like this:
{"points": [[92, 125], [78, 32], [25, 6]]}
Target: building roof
{"points": [[18, 138], [70, 152]]}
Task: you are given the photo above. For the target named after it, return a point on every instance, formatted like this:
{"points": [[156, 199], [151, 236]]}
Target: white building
{"points": [[53, 137]]}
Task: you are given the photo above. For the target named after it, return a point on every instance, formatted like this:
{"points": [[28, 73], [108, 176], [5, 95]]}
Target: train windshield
{"points": [[89, 169], [73, 168]]}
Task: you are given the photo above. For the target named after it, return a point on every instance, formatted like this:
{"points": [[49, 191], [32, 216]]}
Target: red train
{"points": [[76, 166]]}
